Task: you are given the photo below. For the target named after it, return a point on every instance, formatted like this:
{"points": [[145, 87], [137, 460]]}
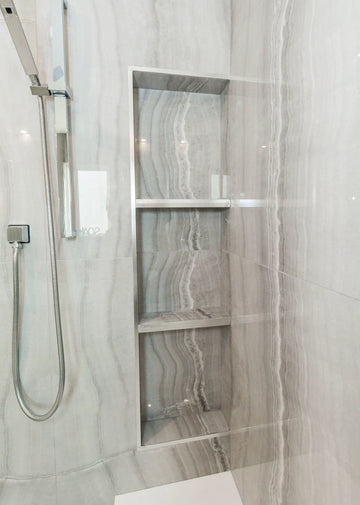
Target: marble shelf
{"points": [[172, 203], [163, 80], [192, 424], [182, 320]]}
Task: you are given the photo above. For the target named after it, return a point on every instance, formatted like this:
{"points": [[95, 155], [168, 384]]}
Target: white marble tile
{"points": [[38, 368], [21, 189], [211, 490], [92, 486], [99, 345], [26, 10], [31, 491], [97, 417]]}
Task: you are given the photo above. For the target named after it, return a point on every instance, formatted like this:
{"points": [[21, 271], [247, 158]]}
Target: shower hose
{"points": [[19, 391]]}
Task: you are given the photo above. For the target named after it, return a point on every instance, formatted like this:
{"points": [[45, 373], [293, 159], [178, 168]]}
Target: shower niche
{"points": [[180, 201]]}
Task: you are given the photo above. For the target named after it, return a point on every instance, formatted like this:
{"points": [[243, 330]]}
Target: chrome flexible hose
{"points": [[29, 412]]}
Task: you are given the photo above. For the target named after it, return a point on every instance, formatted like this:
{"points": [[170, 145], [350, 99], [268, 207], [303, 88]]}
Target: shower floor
{"points": [[217, 489]]}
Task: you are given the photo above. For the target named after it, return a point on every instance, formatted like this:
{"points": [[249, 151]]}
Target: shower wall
{"points": [[296, 294], [85, 454]]}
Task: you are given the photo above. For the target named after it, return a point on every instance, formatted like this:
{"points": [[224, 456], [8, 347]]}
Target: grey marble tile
{"points": [[177, 143], [179, 230], [254, 377], [182, 280], [252, 290], [310, 140], [247, 142], [247, 233], [263, 373], [181, 372], [322, 155], [262, 457], [309, 478], [251, 38], [305, 230], [325, 348], [312, 384]]}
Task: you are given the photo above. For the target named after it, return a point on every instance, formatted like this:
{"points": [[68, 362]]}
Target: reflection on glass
{"points": [[92, 202]]}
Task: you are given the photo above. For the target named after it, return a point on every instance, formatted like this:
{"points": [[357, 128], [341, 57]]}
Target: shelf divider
{"points": [[183, 320], [173, 203]]}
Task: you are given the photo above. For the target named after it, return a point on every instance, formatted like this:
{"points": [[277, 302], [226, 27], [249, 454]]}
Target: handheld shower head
{"points": [[19, 38]]}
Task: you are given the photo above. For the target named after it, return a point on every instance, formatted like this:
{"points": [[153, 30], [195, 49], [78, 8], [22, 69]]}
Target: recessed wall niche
{"points": [[180, 200]]}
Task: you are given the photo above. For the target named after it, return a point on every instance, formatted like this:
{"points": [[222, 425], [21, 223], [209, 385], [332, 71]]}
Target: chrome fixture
{"points": [[20, 40], [58, 89], [20, 234]]}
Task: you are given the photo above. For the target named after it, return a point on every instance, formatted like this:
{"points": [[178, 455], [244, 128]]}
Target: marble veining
{"points": [[180, 263], [211, 316], [299, 154], [294, 269], [179, 281], [181, 371], [179, 230], [178, 143]]}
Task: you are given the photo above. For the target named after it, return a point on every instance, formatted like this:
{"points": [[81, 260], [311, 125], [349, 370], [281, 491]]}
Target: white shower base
{"points": [[217, 489]]}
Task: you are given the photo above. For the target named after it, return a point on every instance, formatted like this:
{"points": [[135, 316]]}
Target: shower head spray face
{"points": [[18, 36]]}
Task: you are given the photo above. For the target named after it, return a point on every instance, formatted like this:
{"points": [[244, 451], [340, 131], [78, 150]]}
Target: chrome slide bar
{"points": [[19, 234]]}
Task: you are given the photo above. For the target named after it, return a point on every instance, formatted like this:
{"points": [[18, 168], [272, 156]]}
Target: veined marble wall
{"points": [[85, 454], [178, 143], [300, 248]]}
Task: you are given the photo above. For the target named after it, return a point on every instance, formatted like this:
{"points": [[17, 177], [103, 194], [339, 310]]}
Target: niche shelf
{"points": [[183, 320], [179, 185], [173, 203], [183, 427]]}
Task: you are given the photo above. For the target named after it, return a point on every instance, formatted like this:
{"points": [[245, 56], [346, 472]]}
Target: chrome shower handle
{"points": [[18, 233]]}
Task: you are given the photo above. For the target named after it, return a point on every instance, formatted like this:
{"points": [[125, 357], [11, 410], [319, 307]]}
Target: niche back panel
{"points": [[178, 144], [180, 263], [182, 374]]}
